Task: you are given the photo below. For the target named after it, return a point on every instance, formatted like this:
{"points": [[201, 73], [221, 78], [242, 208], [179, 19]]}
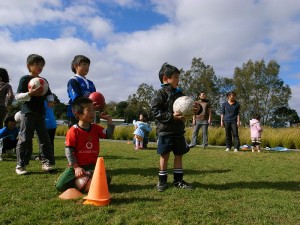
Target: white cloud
{"points": [[99, 27], [225, 34]]}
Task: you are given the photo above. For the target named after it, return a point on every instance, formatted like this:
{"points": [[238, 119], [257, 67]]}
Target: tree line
{"points": [[257, 84]]}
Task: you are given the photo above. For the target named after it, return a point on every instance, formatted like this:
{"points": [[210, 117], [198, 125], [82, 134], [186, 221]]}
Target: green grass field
{"points": [[231, 188]]}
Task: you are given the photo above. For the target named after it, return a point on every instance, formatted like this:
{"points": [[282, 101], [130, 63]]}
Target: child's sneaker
{"points": [[161, 186], [183, 184], [258, 150], [47, 167], [227, 149], [21, 170], [236, 150]]}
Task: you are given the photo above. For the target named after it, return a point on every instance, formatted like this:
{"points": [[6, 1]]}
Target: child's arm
{"points": [[73, 89], [3, 132], [73, 162], [258, 127], [238, 122], [110, 126], [160, 112], [10, 97]]}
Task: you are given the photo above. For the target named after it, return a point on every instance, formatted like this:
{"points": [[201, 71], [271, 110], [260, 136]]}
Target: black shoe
{"points": [[161, 186], [192, 146], [184, 185]]}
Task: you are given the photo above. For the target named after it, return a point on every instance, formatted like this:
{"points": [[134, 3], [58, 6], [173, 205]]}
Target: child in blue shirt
{"points": [[79, 85], [8, 135]]}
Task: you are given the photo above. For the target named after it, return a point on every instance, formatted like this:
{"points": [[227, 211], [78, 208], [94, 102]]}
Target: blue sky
{"points": [[128, 40]]}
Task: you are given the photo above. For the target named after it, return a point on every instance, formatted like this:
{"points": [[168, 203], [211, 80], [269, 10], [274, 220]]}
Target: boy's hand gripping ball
{"points": [[38, 82], [83, 183], [185, 106], [98, 100]]}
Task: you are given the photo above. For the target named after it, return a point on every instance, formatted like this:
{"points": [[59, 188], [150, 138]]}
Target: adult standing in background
{"points": [[6, 95], [230, 118], [202, 121]]}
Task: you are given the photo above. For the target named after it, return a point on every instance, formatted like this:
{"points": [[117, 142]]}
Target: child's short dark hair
{"points": [[35, 58], [167, 70], [79, 103], [230, 93], [4, 75], [9, 118], [256, 116], [79, 59]]}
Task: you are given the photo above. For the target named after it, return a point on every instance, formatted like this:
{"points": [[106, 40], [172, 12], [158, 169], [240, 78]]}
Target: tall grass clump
{"points": [[244, 134], [123, 133], [220, 136], [61, 130], [274, 136], [188, 134]]}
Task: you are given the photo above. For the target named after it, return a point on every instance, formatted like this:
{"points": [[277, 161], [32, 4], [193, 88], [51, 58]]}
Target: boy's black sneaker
{"points": [[184, 185], [161, 186]]}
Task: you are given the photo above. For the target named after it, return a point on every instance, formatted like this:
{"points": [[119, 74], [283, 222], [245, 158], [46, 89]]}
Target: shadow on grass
{"points": [[278, 185], [150, 171], [121, 201], [116, 157], [121, 188]]}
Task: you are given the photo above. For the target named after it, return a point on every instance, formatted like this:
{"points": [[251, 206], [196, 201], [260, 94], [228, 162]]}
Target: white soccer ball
{"points": [[18, 117], [37, 82], [83, 183], [184, 105]]}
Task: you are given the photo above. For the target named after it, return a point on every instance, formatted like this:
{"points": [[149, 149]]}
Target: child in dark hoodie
{"points": [[256, 131]]}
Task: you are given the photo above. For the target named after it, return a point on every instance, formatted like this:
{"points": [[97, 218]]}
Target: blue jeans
{"points": [[204, 125], [231, 129]]}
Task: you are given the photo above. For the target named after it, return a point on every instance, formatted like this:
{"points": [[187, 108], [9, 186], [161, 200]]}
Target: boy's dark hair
{"points": [[79, 59], [256, 116], [35, 58], [9, 118], [79, 103], [4, 75], [230, 93], [167, 70]]}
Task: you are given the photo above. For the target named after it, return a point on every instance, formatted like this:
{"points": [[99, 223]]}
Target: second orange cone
{"points": [[98, 194]]}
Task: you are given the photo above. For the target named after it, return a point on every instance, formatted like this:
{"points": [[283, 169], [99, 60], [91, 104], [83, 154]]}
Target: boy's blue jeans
{"points": [[204, 125], [29, 123]]}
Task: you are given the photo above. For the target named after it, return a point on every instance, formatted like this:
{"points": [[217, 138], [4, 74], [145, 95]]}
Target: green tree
{"points": [[111, 109], [140, 102], [260, 90], [120, 109], [201, 77], [285, 114], [60, 110]]}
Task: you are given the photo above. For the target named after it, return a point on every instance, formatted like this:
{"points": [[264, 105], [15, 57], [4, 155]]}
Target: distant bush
{"points": [[271, 137], [61, 130]]}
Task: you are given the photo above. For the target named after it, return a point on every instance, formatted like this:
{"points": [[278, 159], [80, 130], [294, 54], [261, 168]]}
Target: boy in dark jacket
{"points": [[170, 127]]}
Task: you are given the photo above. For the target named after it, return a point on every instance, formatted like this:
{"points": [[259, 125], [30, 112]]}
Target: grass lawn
{"points": [[231, 188]]}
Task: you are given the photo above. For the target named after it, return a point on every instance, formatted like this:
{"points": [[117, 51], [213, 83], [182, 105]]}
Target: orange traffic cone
{"points": [[98, 194], [71, 193]]}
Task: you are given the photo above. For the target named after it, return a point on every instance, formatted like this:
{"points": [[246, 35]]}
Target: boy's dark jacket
{"points": [[162, 109]]}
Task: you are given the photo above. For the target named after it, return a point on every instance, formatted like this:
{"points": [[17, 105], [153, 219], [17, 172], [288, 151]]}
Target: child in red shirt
{"points": [[82, 143]]}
